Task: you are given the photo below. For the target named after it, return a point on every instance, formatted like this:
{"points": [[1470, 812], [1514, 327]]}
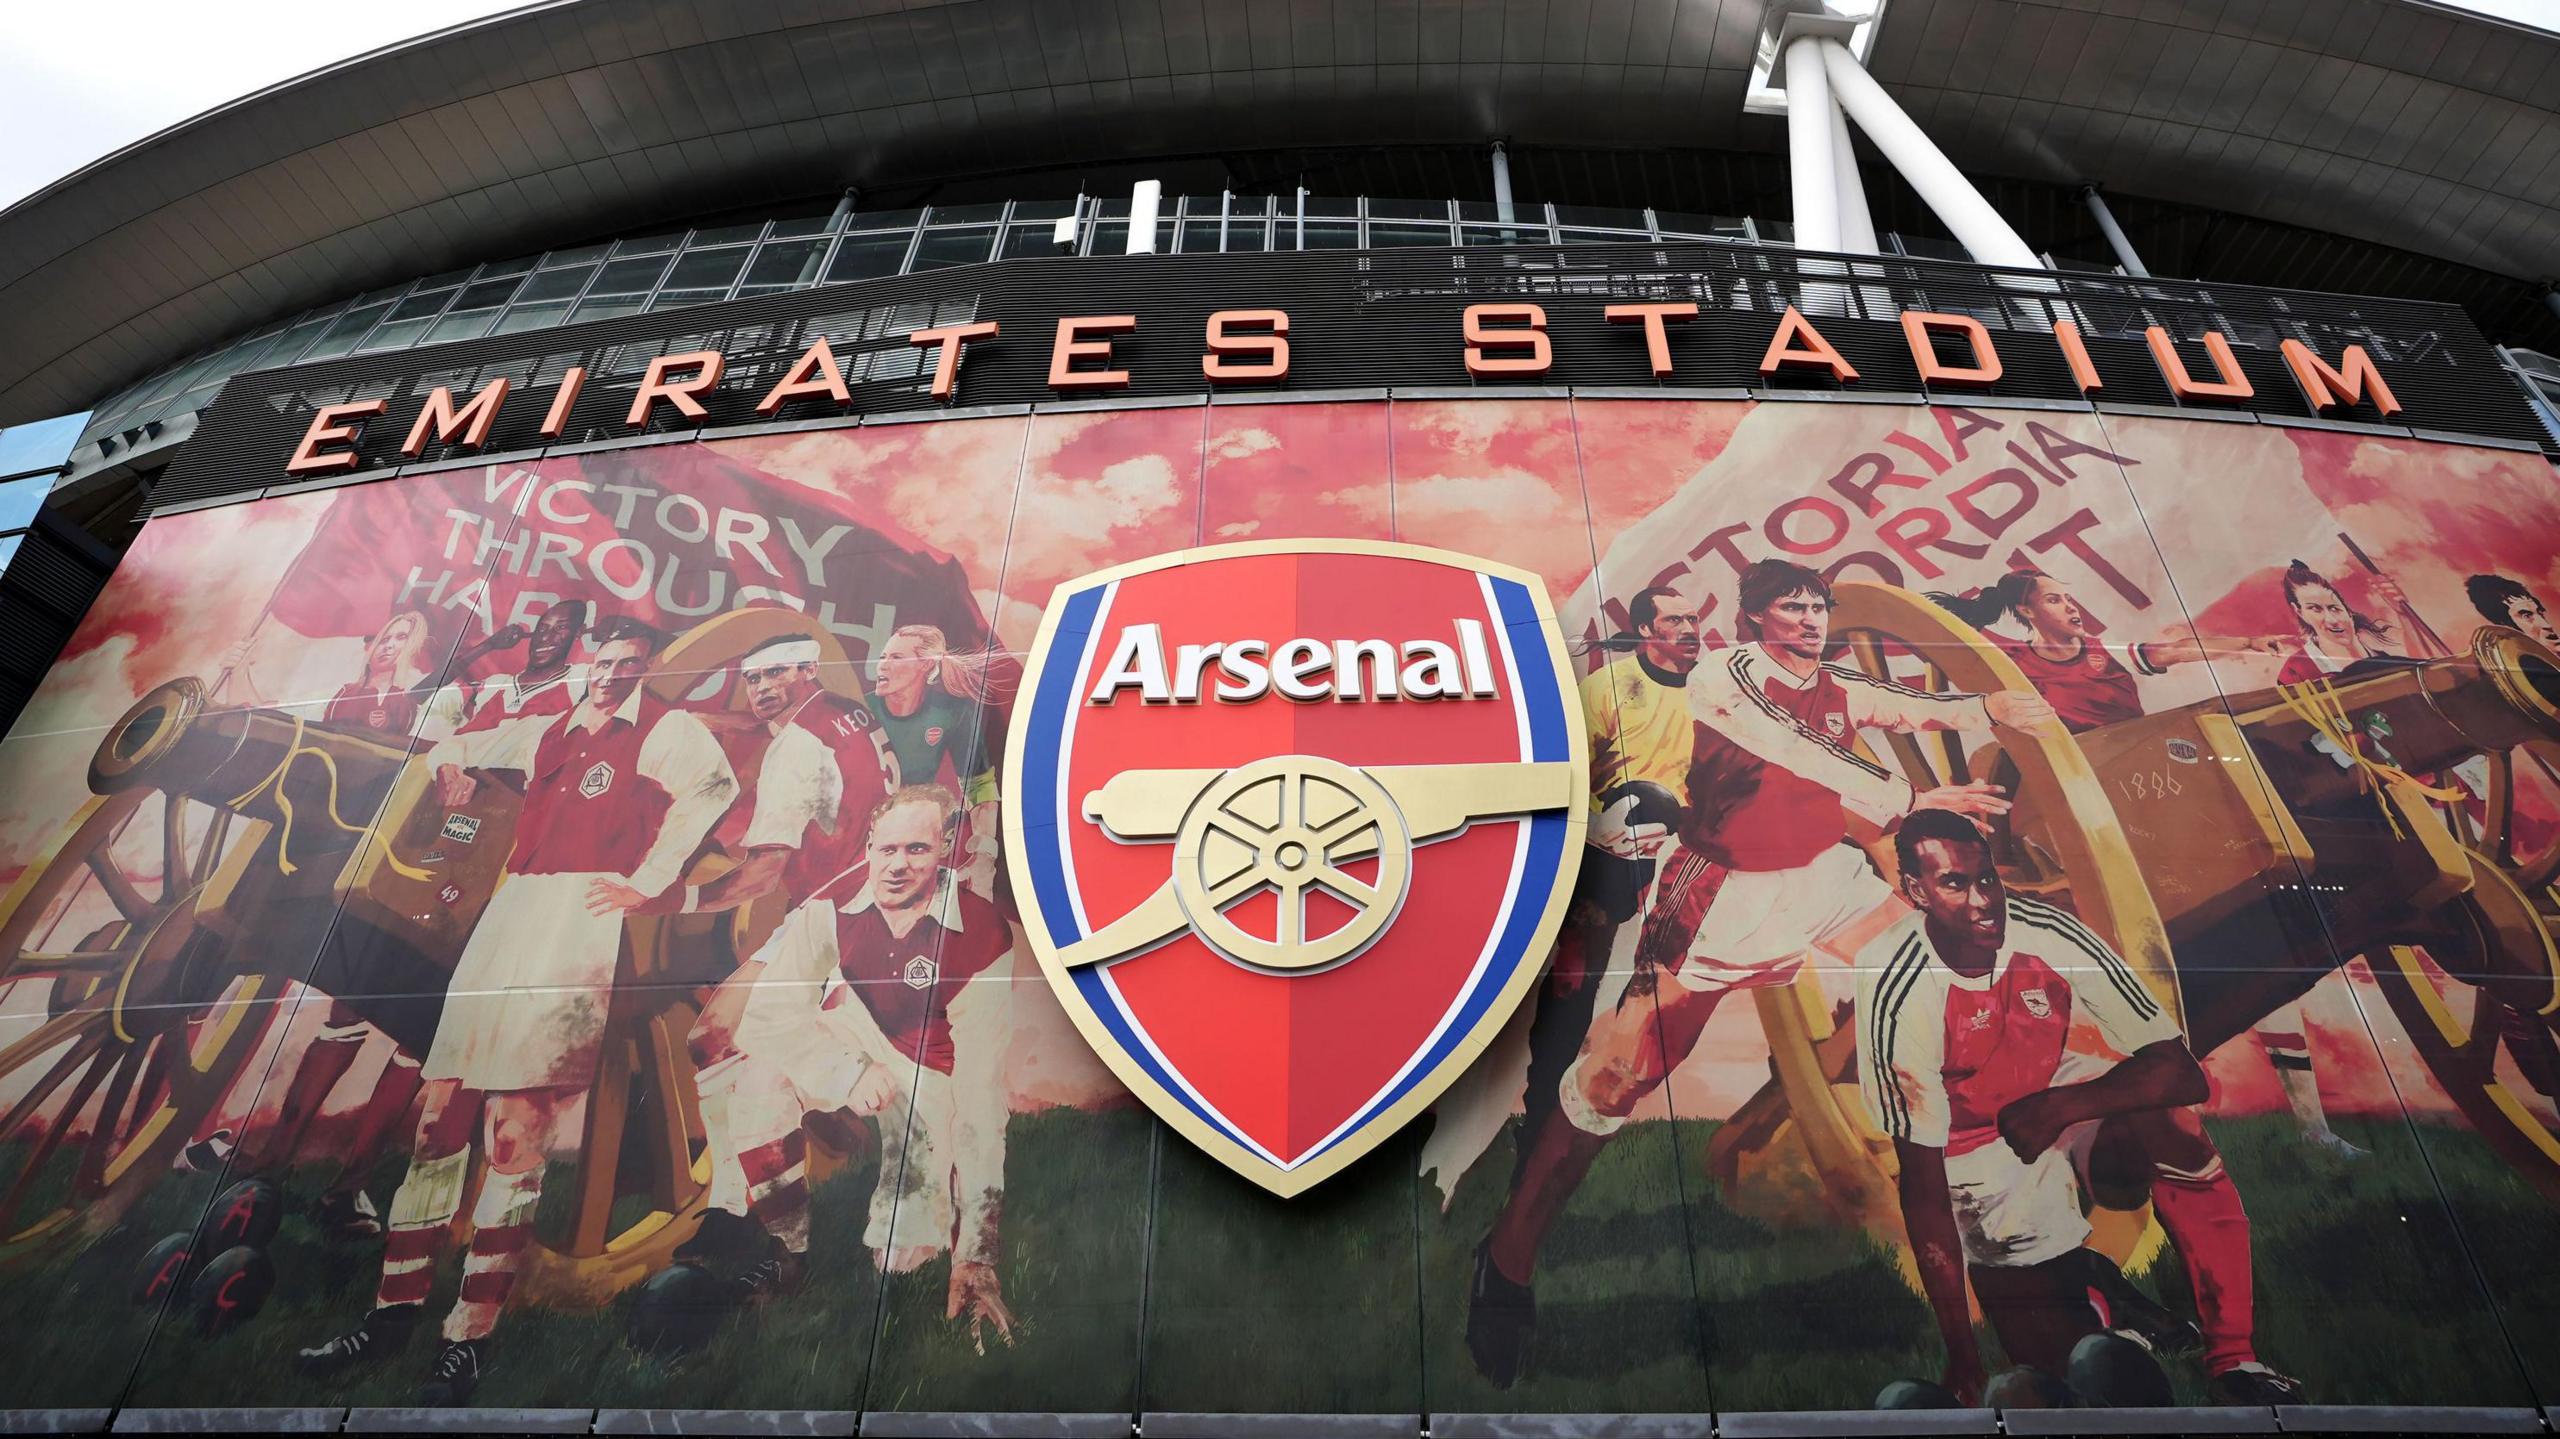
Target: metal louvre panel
{"points": [[1367, 319], [30, 636], [52, 576]]}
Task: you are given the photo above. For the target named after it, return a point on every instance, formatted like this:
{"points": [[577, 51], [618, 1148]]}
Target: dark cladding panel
{"points": [[1369, 319]]}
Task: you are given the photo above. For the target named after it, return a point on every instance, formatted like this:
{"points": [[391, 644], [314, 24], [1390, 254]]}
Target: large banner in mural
{"points": [[2067, 920]]}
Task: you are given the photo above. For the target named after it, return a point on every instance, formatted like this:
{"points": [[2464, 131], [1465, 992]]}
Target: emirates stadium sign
{"points": [[1298, 823]]}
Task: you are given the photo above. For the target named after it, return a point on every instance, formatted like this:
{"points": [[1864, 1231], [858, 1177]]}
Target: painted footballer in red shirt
{"points": [[1773, 768], [1968, 1061]]}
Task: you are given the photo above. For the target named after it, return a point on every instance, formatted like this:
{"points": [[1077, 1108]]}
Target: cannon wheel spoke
{"points": [[121, 892], [2460, 1042], [38, 1156], [72, 1062], [1925, 770]]}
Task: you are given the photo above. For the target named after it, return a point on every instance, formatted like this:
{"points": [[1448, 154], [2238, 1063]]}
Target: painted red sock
{"points": [[409, 1264], [502, 1226], [778, 1189], [2204, 1218]]}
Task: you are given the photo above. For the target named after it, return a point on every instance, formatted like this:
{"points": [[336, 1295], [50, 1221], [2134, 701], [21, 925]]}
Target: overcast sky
{"points": [[83, 78]]}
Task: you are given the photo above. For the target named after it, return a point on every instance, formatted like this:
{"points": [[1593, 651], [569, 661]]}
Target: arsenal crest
{"points": [[1294, 824]]}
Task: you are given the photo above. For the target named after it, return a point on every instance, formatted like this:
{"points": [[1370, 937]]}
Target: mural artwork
{"points": [[2065, 918]]}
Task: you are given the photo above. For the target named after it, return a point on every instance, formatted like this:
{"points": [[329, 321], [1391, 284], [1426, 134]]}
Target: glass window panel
{"points": [[1247, 232], [1676, 222], [1502, 234], [787, 263], [1485, 211], [868, 257], [650, 244], [670, 299], [630, 277], [178, 379], [1330, 208], [343, 335], [1325, 234], [532, 317], [1384, 235], [395, 334], [1408, 209], [579, 256], [387, 292], [707, 269], [1200, 237], [487, 295], [884, 220], [447, 280], [506, 267], [20, 499], [806, 225], [1923, 246], [421, 307], [952, 247], [1111, 237], [963, 214], [728, 234], [186, 375], [1596, 237], [555, 284], [296, 340], [147, 413], [1022, 241], [460, 326], [1595, 217], [1043, 209], [606, 307]]}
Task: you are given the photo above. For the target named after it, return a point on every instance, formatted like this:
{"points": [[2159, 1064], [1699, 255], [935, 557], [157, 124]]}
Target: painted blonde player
{"points": [[888, 997]]}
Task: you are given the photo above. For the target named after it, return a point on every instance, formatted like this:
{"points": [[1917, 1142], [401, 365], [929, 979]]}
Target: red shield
{"points": [[1293, 825]]}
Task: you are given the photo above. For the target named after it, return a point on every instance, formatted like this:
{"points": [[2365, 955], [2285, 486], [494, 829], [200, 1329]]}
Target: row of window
{"points": [[704, 266]]}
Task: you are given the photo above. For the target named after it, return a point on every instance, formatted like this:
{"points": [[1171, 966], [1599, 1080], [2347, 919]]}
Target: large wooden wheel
{"points": [[2527, 676], [2481, 1005], [146, 1027], [2487, 1044], [2062, 844]]}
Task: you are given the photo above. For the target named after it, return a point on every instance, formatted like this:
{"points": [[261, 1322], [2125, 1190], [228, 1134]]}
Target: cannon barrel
{"points": [[266, 764], [2422, 717]]}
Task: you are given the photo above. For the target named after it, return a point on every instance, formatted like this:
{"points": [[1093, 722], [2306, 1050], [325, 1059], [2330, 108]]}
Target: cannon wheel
{"points": [[2482, 1004], [2533, 869], [644, 1172], [2063, 845], [2488, 1041], [132, 1055]]}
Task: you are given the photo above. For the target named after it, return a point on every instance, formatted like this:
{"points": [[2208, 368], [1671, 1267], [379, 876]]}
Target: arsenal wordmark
{"points": [[1294, 826]]}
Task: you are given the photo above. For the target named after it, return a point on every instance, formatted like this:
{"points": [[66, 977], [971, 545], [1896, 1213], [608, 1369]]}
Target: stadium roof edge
{"points": [[574, 117]]}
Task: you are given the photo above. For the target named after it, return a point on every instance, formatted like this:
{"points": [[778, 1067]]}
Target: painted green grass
{"points": [[1353, 1298]]}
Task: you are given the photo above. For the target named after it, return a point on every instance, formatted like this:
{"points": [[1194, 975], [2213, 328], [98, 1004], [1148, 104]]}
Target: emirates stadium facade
{"points": [[558, 579]]}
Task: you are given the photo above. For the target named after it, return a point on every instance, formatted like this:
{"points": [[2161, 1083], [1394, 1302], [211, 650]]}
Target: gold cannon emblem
{"points": [[1295, 825]]}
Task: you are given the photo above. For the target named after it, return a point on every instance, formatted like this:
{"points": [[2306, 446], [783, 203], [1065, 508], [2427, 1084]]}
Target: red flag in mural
{"points": [[670, 534]]}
